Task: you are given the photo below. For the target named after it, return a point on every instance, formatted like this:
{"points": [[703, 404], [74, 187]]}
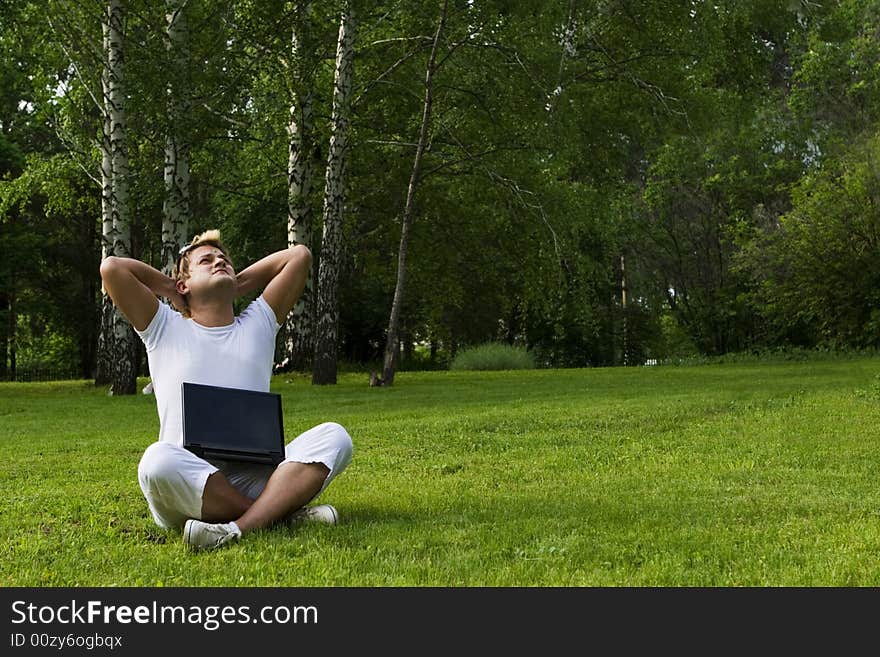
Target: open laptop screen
{"points": [[232, 424]]}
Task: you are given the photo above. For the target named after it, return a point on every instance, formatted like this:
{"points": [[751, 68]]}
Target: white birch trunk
{"points": [[299, 333], [121, 230], [123, 380], [106, 150], [104, 356], [175, 208], [392, 345], [324, 368]]}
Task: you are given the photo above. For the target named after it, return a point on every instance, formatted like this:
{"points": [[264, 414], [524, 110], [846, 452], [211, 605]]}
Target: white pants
{"points": [[173, 478]]}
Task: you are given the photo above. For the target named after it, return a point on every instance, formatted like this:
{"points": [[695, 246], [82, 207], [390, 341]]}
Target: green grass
{"points": [[717, 475]]}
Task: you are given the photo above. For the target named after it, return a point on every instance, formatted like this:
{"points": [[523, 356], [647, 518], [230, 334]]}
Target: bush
{"points": [[493, 356], [777, 355]]}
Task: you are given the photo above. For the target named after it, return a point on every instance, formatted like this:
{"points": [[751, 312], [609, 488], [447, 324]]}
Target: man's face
{"points": [[209, 270]]}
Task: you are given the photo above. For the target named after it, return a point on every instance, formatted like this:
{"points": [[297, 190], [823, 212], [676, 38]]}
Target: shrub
{"points": [[493, 356]]}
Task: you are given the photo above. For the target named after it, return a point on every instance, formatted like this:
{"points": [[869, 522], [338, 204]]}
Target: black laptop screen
{"points": [[231, 419]]}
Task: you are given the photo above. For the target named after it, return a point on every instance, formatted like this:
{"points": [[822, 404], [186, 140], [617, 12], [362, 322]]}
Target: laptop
{"points": [[230, 424]]}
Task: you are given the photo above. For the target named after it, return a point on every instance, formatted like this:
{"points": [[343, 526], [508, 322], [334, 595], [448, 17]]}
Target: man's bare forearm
{"points": [[134, 286], [157, 282], [258, 275]]}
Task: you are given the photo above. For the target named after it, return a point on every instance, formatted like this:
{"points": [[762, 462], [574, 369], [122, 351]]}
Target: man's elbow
{"points": [[114, 269], [301, 253], [109, 266]]}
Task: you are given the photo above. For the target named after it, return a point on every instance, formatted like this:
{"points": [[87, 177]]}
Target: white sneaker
{"points": [[323, 513], [200, 535]]}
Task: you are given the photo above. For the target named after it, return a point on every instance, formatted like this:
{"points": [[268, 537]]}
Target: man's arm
{"points": [[282, 275], [134, 285]]}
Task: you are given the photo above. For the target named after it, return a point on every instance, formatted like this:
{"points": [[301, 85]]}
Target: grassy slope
{"points": [[716, 475]]}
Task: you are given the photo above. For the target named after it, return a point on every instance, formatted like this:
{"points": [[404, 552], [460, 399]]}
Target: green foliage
{"points": [[50, 253], [825, 272], [775, 355], [493, 356], [837, 90], [39, 347], [723, 150]]}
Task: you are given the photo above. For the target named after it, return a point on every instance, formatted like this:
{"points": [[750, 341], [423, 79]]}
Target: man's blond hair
{"points": [[181, 267]]}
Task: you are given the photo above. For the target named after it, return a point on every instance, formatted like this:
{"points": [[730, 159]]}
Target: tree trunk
{"points": [[4, 335], [623, 307], [123, 375], [104, 357], [299, 328], [175, 209], [105, 351], [13, 323], [324, 368], [392, 347]]}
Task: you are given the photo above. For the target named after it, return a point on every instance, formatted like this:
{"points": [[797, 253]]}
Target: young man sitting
{"points": [[216, 502]]}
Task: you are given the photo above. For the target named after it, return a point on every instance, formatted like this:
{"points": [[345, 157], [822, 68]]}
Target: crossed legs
{"points": [[291, 486], [179, 486]]}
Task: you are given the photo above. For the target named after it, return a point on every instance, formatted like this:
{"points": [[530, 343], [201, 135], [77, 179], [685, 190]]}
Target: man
{"points": [[216, 502]]}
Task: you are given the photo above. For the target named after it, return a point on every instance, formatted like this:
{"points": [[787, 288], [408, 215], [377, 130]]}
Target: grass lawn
{"points": [[711, 475]]}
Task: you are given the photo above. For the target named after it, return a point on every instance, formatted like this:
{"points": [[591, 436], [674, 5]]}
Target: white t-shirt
{"points": [[239, 355]]}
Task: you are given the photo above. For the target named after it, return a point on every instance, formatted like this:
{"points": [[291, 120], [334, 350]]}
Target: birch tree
{"points": [[299, 328], [175, 215], [324, 368], [392, 345], [99, 67], [123, 376], [104, 354]]}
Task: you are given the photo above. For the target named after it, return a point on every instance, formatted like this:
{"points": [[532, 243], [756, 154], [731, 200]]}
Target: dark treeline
{"points": [[602, 182]]}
